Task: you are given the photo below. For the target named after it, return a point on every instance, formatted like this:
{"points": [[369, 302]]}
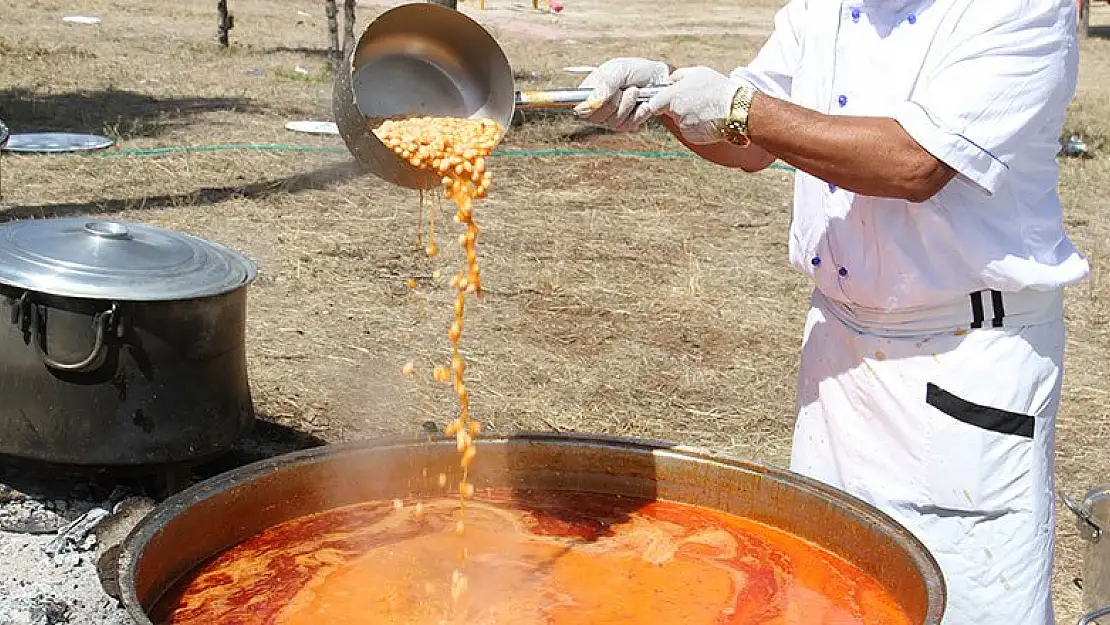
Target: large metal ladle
{"points": [[427, 60]]}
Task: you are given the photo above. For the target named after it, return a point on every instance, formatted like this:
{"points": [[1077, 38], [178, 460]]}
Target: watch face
{"points": [[734, 133]]}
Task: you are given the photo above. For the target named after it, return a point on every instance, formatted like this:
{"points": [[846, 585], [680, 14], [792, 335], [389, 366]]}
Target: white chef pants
{"points": [[946, 424]]}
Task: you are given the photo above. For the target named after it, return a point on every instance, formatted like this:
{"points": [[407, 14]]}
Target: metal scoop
{"points": [[422, 59]]}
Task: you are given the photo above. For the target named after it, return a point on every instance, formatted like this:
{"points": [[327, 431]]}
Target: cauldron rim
{"points": [[158, 519]]}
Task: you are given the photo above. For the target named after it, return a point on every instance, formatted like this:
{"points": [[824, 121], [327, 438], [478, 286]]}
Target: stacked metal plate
{"points": [[54, 142]]}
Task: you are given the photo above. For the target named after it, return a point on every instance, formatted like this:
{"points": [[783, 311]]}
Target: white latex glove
{"points": [[698, 99], [616, 86]]}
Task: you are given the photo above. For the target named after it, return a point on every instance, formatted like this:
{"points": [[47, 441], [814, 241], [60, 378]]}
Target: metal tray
{"points": [[54, 143]]}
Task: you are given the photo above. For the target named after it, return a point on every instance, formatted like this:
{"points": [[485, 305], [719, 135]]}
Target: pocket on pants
{"points": [[980, 457]]}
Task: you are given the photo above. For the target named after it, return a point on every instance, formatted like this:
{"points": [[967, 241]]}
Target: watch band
{"points": [[734, 129]]}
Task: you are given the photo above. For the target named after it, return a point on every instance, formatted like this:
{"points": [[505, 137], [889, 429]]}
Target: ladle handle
{"points": [[567, 98], [1092, 617]]}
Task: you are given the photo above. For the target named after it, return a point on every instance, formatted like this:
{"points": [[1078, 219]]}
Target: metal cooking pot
{"points": [[424, 59], [196, 524], [1093, 518], [122, 344]]}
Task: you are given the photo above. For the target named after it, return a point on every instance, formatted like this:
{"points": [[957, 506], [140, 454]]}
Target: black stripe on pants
{"points": [[977, 316], [999, 309]]}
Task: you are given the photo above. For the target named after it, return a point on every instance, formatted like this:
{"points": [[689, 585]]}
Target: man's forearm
{"points": [[866, 155], [751, 159]]}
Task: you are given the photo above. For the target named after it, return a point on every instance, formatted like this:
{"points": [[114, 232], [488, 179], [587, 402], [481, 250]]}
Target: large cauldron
{"points": [[206, 519]]}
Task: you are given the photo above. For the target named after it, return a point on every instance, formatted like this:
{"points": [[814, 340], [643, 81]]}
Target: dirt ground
{"points": [[645, 297]]}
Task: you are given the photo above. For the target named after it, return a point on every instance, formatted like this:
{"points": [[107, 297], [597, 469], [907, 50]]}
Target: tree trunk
{"points": [[225, 23], [333, 31], [348, 25], [1084, 18], [451, 4]]}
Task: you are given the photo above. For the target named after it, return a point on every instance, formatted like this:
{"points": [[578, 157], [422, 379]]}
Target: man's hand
{"points": [[616, 86], [698, 101]]}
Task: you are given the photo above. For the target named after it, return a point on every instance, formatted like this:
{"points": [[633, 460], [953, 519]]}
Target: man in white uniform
{"points": [[925, 134]]}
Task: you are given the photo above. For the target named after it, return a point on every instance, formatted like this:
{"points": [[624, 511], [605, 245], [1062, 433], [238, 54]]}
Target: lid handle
{"points": [[108, 230]]}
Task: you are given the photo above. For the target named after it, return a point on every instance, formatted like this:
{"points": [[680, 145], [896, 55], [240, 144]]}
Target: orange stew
{"points": [[545, 558]]}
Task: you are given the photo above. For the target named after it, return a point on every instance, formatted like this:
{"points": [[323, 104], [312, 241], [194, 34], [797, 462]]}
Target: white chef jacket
{"points": [[983, 85]]}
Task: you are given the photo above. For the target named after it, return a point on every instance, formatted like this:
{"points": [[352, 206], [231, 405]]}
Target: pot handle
{"points": [[1088, 529], [103, 323], [1092, 617]]}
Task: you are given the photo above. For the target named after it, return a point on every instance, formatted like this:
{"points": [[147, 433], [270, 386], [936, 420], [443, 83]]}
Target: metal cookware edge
{"points": [[619, 465]]}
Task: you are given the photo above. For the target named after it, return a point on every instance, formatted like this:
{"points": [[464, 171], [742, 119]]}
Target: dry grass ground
{"points": [[631, 296]]}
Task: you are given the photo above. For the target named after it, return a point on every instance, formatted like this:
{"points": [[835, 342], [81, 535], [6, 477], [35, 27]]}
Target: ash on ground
{"points": [[49, 548], [60, 532], [65, 588]]}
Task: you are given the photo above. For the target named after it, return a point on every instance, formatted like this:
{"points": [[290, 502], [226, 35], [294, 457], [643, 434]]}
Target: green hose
{"points": [[278, 147], [273, 147]]}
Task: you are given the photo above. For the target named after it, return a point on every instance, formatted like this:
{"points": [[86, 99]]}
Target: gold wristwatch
{"points": [[734, 128]]}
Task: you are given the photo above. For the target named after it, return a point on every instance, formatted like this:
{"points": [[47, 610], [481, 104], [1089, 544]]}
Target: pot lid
{"points": [[98, 259]]}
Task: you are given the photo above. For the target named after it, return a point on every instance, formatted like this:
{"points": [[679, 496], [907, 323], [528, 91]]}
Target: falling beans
{"points": [[458, 584], [455, 150], [468, 455], [441, 375]]}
